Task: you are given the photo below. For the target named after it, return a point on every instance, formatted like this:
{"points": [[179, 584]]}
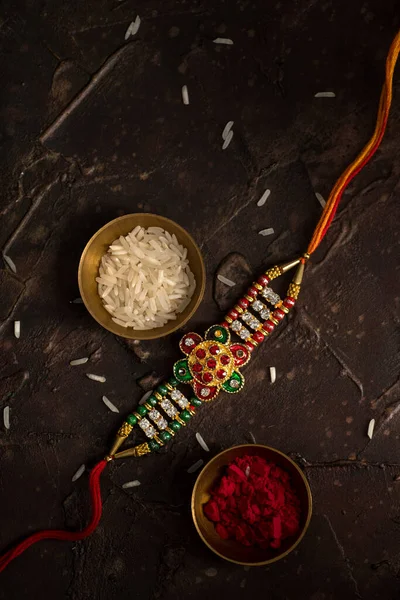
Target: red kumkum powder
{"points": [[254, 503]]}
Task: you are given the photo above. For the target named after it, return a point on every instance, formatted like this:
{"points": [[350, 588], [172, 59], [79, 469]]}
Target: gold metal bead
{"points": [[125, 430], [157, 395], [257, 286], [239, 309], [170, 431], [139, 417], [191, 411], [228, 319], [285, 310], [294, 290], [271, 318], [169, 386], [158, 440], [181, 421], [249, 298], [264, 331], [148, 406]]}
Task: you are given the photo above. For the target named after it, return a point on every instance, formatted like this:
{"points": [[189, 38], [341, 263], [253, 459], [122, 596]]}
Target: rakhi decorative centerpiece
{"points": [[212, 364]]}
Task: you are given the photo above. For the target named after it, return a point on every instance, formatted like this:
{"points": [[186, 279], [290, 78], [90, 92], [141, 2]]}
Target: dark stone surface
{"points": [[93, 127]]}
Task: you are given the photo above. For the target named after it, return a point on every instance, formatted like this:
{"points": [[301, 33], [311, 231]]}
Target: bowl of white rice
{"points": [[141, 276]]}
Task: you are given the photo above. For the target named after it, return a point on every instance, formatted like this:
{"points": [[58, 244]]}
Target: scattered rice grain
{"points": [[227, 129], [6, 417], [79, 473], [133, 28], [78, 361], [185, 95], [196, 466], [264, 198], [17, 329], [10, 263], [272, 374], [227, 140], [320, 199], [226, 41], [225, 280], [131, 484], [99, 378], [268, 231], [202, 443], [109, 404], [371, 427], [325, 95], [252, 437]]}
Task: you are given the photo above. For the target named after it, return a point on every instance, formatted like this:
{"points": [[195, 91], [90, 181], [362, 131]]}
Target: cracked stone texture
{"points": [[93, 128]]}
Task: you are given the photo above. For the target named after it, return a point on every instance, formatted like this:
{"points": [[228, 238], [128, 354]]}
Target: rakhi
{"points": [[213, 363]]}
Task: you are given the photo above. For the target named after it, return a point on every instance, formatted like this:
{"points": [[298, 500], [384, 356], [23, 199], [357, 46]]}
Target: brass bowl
{"points": [[230, 549], [98, 245]]}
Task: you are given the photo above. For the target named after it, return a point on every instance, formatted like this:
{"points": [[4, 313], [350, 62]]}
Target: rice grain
{"points": [[264, 198], [225, 280], [99, 378], [10, 263], [371, 428], [325, 95], [227, 129], [226, 41], [17, 329], [6, 417], [185, 95], [268, 231], [79, 473], [131, 484], [133, 28], [109, 404], [78, 361], [202, 443], [272, 374], [196, 466]]}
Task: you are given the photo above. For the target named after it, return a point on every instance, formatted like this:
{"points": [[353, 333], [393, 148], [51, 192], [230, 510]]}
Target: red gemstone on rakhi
{"points": [[252, 292], [268, 326], [249, 346], [214, 350], [211, 363], [289, 302], [233, 314], [221, 373], [258, 336], [200, 353], [278, 314], [243, 302], [225, 324], [197, 368], [225, 359], [192, 408], [207, 377], [263, 280]]}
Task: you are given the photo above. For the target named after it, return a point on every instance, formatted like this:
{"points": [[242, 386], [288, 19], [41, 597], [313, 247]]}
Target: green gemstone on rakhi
{"points": [[153, 446], [181, 371], [131, 419], [152, 400], [174, 425], [218, 333], [172, 381], [185, 415], [162, 389], [195, 401], [141, 410], [165, 436]]}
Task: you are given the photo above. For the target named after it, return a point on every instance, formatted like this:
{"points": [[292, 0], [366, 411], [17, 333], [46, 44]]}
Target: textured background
{"points": [[127, 144]]}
